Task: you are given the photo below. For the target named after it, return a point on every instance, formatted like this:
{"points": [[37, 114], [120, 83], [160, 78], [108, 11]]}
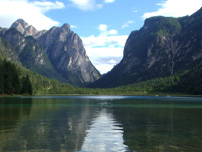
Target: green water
{"points": [[101, 124]]}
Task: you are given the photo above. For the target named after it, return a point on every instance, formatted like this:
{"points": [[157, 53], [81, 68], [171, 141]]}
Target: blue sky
{"points": [[103, 25]]}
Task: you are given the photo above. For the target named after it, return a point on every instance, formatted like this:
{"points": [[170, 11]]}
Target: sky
{"points": [[103, 25]]}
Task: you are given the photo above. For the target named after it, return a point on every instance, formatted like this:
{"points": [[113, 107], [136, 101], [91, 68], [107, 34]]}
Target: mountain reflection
{"points": [[51, 125], [13, 111], [97, 124], [104, 135]]}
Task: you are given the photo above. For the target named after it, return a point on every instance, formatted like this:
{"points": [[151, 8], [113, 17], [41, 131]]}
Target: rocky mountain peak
{"points": [[56, 53], [24, 28], [68, 56], [30, 30], [20, 25], [3, 30], [65, 26]]}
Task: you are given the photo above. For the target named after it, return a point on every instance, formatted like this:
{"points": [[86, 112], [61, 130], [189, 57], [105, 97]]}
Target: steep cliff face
{"points": [[68, 56], [29, 53], [7, 51], [162, 47], [57, 53]]}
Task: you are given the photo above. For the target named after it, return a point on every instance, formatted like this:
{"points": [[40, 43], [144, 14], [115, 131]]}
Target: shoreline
{"points": [[140, 94]]}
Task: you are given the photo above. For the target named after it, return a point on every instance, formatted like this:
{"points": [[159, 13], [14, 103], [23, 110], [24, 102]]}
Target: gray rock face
{"points": [[26, 29], [68, 56], [162, 47], [7, 51], [29, 53], [57, 53], [3, 31]]}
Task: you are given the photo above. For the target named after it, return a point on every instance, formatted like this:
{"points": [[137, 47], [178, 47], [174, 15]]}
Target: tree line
{"points": [[10, 81], [15, 79]]}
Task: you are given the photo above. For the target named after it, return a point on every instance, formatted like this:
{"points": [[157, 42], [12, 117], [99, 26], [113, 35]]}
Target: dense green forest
{"points": [[10, 82], [15, 79]]}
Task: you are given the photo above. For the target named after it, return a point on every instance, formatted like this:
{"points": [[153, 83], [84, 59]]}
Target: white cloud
{"points": [[105, 50], [109, 1], [104, 58], [73, 26], [113, 32], [87, 5], [127, 24], [102, 27], [112, 61], [176, 8], [105, 67], [31, 12], [84, 4], [46, 6]]}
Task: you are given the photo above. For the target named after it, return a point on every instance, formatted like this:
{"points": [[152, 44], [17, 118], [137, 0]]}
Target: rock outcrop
{"points": [[57, 53], [162, 47], [68, 56]]}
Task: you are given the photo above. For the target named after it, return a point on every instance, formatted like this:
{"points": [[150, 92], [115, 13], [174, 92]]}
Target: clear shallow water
{"points": [[101, 124]]}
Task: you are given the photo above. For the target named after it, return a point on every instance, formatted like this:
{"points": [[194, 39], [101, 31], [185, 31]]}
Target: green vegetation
{"points": [[15, 79], [26, 85], [10, 82], [187, 82]]}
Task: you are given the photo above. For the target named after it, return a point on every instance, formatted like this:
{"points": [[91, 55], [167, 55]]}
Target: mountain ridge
{"points": [[162, 47], [51, 52]]}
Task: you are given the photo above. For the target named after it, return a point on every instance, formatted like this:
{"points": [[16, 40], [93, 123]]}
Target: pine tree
{"points": [[1, 79], [7, 77], [29, 89], [26, 86]]}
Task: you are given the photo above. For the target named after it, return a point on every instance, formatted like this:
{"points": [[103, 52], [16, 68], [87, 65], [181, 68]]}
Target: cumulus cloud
{"points": [[175, 8], [102, 27], [104, 58], [113, 32], [106, 49], [87, 5], [127, 24], [31, 12], [103, 30]]}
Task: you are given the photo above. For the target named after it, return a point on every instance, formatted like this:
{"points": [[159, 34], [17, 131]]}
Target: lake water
{"points": [[101, 124]]}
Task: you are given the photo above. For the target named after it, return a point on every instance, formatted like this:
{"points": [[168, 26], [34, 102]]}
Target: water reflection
{"points": [[100, 124], [104, 135], [51, 124], [166, 125], [13, 111]]}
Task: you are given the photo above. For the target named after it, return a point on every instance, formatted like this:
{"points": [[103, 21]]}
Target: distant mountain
{"points": [[57, 53], [162, 47]]}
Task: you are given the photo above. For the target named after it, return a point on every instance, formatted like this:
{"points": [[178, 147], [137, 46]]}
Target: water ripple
{"points": [[104, 135]]}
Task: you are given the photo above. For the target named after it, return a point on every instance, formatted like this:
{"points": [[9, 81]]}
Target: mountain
{"points": [[28, 52], [162, 47], [57, 53], [7, 51], [24, 28], [68, 56]]}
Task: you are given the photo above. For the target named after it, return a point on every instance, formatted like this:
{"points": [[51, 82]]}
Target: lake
{"points": [[101, 124]]}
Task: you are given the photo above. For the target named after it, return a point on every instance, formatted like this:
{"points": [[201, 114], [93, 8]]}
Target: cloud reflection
{"points": [[104, 135]]}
